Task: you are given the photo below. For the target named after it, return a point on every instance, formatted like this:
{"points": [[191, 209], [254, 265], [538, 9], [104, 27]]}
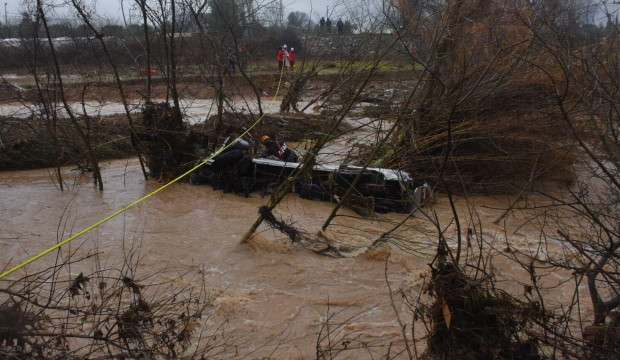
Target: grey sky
{"points": [[111, 8]]}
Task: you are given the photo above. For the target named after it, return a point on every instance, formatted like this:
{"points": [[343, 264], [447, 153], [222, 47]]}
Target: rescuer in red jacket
{"points": [[280, 57]]}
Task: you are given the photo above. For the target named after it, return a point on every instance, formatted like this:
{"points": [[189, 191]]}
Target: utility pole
{"points": [[6, 21], [281, 13]]}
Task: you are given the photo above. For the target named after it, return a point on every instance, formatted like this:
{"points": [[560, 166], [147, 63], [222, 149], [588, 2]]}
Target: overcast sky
{"points": [[111, 8]]}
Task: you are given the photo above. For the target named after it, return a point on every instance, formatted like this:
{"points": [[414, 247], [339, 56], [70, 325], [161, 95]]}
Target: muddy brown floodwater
{"points": [[273, 294]]}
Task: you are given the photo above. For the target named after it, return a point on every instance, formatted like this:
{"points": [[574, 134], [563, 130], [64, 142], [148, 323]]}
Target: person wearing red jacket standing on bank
{"points": [[280, 57], [292, 57]]}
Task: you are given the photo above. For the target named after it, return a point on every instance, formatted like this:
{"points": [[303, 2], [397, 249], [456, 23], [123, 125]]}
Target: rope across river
{"points": [[136, 202]]}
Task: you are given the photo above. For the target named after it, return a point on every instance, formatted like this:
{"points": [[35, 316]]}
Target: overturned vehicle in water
{"points": [[374, 189]]}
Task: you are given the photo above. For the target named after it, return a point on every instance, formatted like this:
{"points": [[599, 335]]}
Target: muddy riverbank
{"points": [[27, 141], [191, 86]]}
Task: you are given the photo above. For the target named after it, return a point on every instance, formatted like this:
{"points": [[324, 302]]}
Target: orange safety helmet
{"points": [[264, 139]]}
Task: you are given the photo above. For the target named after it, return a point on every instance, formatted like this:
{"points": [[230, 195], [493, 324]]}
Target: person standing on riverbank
{"points": [[280, 57], [287, 62]]}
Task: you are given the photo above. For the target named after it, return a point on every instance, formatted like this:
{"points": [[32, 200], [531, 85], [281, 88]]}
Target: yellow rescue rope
{"points": [[138, 201]]}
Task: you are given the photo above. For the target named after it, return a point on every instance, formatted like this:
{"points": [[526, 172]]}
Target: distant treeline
{"points": [[253, 39], [127, 48]]}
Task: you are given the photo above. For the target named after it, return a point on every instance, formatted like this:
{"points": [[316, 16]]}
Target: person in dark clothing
{"points": [[340, 27], [279, 151], [232, 63], [230, 171], [328, 25], [322, 23], [292, 58]]}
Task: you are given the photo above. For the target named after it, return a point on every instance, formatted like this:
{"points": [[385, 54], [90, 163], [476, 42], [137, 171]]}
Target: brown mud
{"points": [[28, 144], [193, 86]]}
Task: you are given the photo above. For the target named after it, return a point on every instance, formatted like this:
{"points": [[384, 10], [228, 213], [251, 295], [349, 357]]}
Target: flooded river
{"points": [[269, 289], [272, 293], [194, 110]]}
